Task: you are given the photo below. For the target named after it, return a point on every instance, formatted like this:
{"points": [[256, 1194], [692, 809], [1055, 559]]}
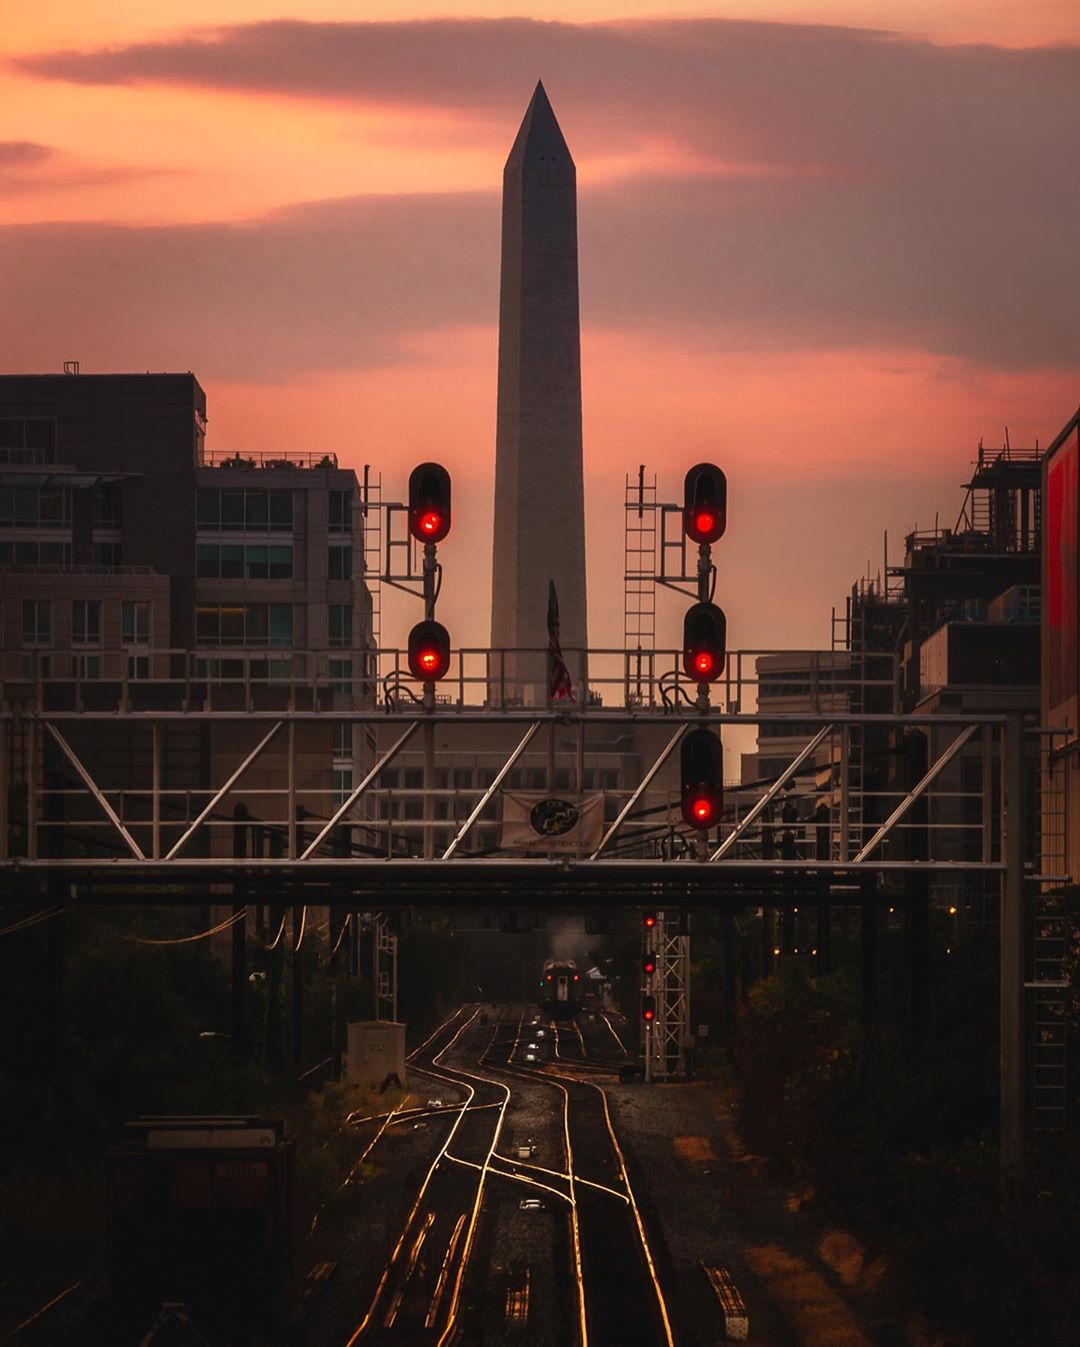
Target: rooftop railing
{"points": [[269, 458]]}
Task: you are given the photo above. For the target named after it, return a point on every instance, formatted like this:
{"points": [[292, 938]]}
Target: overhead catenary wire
{"points": [[186, 939], [280, 932], [341, 934], [33, 920]]}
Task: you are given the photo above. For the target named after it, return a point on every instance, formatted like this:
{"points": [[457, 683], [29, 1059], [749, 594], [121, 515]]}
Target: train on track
{"points": [[560, 989]]}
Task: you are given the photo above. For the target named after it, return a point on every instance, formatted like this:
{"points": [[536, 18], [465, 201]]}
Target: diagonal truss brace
{"points": [[92, 786], [504, 771], [770, 795], [347, 804], [643, 785], [936, 768], [219, 795]]}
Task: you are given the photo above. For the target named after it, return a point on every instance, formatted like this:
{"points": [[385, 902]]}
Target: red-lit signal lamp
{"points": [[705, 503], [648, 964], [701, 779], [704, 642], [648, 920], [429, 503], [648, 1009], [429, 651]]}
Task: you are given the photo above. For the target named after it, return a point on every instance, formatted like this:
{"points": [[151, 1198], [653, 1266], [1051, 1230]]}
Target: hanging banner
{"points": [[533, 821]]}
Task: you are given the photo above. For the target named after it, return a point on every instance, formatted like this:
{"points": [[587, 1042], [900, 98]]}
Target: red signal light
{"points": [[704, 642], [648, 920], [429, 503], [702, 779], [429, 651], [648, 1009], [648, 965], [705, 503]]}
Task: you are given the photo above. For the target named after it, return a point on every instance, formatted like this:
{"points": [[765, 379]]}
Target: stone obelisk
{"points": [[539, 489]]}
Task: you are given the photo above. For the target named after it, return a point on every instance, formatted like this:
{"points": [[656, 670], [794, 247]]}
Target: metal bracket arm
{"points": [[770, 795], [219, 795], [504, 771], [92, 786], [905, 804]]}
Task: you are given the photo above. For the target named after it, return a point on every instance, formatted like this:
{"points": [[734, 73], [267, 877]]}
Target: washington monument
{"points": [[539, 491]]}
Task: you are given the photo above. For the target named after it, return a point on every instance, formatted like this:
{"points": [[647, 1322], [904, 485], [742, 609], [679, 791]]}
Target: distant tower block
{"points": [[539, 491]]}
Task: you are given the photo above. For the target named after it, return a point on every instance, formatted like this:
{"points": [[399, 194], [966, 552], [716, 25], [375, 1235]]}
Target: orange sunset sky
{"points": [[827, 243]]}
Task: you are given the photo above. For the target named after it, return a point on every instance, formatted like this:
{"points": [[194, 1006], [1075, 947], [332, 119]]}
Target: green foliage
{"points": [[902, 1146]]}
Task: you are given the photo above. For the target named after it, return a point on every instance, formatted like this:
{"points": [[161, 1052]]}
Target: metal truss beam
{"points": [[643, 785], [220, 794], [503, 772], [935, 770], [339, 813], [92, 786], [770, 795]]}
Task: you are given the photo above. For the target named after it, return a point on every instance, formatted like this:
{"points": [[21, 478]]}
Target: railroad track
{"points": [[435, 1289]]}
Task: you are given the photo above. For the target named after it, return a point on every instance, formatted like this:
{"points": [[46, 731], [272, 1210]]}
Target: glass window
{"points": [[107, 505], [54, 505], [256, 563], [281, 624], [208, 626], [343, 739], [86, 621], [341, 675], [31, 506], [281, 562], [232, 561], [232, 508], [53, 554], [232, 625], [87, 666], [135, 622], [281, 510], [340, 511], [36, 621], [256, 510], [340, 624], [208, 508], [341, 782], [340, 563], [105, 554], [207, 561]]}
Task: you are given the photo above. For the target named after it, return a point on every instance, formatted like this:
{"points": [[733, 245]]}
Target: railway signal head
{"points": [[648, 920], [705, 503], [429, 503], [701, 779], [648, 1009], [648, 964], [429, 651], [704, 642]]}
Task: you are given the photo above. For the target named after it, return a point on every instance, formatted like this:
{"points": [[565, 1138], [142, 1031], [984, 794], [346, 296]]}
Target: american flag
{"points": [[560, 684]]}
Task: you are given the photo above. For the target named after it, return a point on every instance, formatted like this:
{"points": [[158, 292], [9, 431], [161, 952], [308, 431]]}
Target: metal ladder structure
{"points": [[639, 580], [384, 967], [372, 549], [668, 1036], [1049, 1003]]}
